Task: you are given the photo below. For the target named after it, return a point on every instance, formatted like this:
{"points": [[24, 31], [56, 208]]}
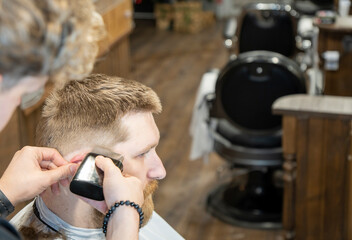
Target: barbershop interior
{"points": [[256, 121]]}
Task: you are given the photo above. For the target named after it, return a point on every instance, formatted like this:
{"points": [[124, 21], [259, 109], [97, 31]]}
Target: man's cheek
{"points": [[132, 170]]}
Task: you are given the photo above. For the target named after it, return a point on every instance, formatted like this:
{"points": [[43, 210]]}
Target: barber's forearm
{"points": [[123, 224]]}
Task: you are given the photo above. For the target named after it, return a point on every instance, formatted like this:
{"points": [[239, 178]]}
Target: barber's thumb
{"points": [[104, 163], [62, 172]]}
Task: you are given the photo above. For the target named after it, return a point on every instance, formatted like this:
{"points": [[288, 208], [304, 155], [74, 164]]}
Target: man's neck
{"points": [[71, 209]]}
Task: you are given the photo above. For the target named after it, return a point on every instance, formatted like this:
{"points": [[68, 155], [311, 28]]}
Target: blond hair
{"points": [[56, 38], [88, 112]]}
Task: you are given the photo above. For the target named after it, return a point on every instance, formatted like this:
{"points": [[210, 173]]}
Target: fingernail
{"points": [[99, 157]]}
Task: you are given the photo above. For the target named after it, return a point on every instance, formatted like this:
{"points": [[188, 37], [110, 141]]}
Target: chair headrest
{"points": [[267, 26], [248, 85]]}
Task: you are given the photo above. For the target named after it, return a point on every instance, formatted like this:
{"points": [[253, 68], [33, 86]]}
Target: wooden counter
{"points": [[317, 166], [114, 51]]}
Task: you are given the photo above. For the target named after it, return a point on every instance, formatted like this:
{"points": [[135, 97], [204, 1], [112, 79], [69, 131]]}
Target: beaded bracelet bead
{"points": [[121, 203]]}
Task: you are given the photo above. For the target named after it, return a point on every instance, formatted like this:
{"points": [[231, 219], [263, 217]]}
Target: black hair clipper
{"points": [[88, 180]]}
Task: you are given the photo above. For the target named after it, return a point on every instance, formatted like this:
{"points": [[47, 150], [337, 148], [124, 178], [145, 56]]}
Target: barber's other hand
{"points": [[116, 187], [32, 170]]}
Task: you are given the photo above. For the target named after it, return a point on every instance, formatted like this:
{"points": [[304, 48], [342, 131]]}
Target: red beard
{"points": [[147, 207]]}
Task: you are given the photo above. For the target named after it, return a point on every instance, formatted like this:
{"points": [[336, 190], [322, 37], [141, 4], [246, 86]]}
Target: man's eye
{"points": [[143, 154]]}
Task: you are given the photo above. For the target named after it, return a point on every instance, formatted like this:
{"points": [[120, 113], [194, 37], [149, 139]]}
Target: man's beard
{"points": [[147, 207]]}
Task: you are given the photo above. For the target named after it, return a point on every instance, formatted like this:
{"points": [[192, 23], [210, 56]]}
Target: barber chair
{"points": [[248, 136], [279, 28], [311, 7], [263, 26]]}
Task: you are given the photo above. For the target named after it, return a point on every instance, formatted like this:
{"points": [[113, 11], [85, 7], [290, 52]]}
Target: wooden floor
{"points": [[173, 64]]}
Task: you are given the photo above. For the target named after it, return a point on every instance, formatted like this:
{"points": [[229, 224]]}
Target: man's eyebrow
{"points": [[147, 148]]}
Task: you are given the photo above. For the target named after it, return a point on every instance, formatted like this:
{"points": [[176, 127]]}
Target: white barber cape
{"points": [[156, 229], [200, 129]]}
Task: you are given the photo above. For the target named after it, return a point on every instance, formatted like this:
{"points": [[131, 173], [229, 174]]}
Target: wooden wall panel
{"points": [[315, 178], [336, 135], [10, 142], [321, 171], [289, 166], [117, 61], [117, 17], [348, 203], [300, 201]]}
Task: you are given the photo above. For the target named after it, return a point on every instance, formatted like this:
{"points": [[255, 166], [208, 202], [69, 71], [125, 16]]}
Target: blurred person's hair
{"points": [[57, 38], [88, 112]]}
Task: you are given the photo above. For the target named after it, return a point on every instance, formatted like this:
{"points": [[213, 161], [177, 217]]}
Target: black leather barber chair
{"points": [[311, 7], [247, 135], [263, 26], [275, 27]]}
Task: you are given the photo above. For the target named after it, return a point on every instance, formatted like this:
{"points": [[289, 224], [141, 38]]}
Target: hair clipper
{"points": [[88, 180]]}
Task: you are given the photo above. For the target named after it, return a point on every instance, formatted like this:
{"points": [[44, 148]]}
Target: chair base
{"points": [[255, 205]]}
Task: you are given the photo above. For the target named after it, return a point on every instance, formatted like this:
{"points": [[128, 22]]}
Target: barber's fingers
{"points": [[59, 173], [42, 154], [47, 165], [107, 165]]}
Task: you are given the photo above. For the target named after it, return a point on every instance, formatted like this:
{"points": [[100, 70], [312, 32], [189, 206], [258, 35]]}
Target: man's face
{"points": [[140, 157]]}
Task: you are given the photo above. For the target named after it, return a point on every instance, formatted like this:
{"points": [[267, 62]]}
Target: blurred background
{"points": [[237, 184]]}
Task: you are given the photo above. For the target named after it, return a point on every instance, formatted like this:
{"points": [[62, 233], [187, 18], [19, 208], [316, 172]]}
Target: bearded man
{"points": [[108, 112]]}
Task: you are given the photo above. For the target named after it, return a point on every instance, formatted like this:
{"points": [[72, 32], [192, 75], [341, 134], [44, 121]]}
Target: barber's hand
{"points": [[32, 170], [116, 187]]}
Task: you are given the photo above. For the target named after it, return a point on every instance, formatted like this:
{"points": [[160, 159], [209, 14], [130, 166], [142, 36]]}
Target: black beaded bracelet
{"points": [[118, 204]]}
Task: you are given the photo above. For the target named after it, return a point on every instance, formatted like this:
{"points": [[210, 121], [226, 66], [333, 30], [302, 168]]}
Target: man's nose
{"points": [[157, 170]]}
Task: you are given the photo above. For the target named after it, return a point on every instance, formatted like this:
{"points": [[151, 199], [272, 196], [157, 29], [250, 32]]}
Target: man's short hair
{"points": [[57, 38], [88, 112]]}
